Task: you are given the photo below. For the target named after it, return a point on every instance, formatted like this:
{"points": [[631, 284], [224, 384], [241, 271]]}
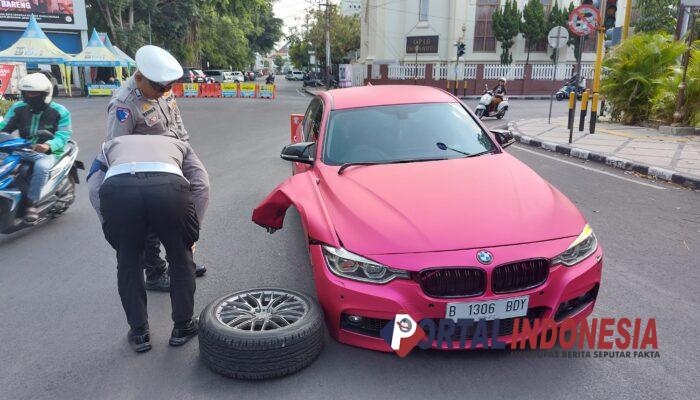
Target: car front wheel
{"points": [[260, 333]]}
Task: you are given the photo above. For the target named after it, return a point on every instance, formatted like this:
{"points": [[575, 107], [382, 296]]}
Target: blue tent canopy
{"points": [[95, 54]]}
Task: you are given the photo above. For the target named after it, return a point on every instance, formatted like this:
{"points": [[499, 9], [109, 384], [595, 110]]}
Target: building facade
{"points": [[350, 7], [425, 32]]}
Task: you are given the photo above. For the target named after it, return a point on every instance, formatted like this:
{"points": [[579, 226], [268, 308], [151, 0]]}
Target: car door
{"points": [[311, 129]]}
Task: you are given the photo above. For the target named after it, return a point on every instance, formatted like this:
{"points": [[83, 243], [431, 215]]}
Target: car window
{"points": [[312, 120], [402, 132]]}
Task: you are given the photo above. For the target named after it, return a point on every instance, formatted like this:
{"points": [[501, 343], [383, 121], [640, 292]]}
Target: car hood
{"points": [[486, 201]]}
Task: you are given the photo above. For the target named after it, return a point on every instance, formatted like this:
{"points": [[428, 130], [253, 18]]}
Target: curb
{"points": [[611, 161]]}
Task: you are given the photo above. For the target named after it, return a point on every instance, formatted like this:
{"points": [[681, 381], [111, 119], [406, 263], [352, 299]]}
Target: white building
{"points": [[388, 29], [350, 7]]}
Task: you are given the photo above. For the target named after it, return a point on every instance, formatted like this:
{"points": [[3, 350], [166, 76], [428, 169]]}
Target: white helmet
{"points": [[158, 65], [503, 79], [37, 82]]}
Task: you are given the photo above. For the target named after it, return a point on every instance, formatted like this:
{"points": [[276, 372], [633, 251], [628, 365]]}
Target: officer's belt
{"points": [[135, 167]]}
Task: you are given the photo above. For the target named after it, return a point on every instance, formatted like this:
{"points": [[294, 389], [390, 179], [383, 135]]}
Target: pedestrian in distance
{"points": [[145, 104], [146, 190]]}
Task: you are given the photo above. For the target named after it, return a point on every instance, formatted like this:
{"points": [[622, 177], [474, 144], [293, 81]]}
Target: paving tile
{"points": [[690, 155], [647, 152], [659, 161]]}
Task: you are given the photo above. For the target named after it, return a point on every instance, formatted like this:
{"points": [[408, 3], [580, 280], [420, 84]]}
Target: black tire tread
{"points": [[243, 355]]}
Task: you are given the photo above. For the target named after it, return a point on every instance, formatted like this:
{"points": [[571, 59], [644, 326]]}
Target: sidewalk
{"points": [[642, 150]]}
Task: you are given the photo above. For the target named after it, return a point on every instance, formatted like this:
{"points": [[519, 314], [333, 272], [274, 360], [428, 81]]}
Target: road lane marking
{"points": [[588, 168]]}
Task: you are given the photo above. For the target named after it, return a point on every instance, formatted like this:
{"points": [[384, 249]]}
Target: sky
{"points": [[292, 12]]}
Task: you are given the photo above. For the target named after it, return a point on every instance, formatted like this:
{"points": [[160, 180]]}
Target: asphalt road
{"points": [[62, 331]]}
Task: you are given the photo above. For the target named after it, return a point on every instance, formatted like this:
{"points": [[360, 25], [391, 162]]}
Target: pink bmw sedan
{"points": [[411, 205]]}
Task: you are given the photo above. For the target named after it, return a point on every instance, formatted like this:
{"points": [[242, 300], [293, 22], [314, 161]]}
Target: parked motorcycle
{"points": [[484, 107], [15, 174], [570, 86]]}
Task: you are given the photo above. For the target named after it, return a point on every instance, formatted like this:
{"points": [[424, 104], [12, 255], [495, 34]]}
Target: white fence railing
{"points": [[407, 71], [466, 71], [495, 71], [359, 74], [544, 72], [440, 71]]}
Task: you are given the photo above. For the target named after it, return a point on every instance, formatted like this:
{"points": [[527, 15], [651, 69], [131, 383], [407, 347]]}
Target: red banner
{"points": [[5, 75]]}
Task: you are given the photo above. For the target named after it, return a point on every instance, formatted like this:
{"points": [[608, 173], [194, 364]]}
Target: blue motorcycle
{"points": [[15, 174]]}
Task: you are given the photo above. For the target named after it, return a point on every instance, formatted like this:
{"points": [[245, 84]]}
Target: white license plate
{"points": [[495, 309]]}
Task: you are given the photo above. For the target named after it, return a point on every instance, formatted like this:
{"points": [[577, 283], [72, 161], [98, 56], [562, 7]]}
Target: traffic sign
{"points": [[584, 20], [558, 37]]}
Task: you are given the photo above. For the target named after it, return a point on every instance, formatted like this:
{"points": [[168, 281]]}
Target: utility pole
{"points": [[678, 115], [329, 67]]}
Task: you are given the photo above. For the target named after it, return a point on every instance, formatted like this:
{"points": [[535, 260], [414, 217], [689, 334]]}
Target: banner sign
{"points": [[45, 11], [229, 89], [422, 44], [248, 89], [5, 76], [101, 90], [190, 89], [266, 91]]}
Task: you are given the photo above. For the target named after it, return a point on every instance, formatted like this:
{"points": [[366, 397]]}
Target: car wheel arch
{"points": [[300, 191]]}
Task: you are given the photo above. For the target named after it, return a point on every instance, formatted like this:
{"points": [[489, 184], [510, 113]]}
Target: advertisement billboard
{"points": [[45, 11]]}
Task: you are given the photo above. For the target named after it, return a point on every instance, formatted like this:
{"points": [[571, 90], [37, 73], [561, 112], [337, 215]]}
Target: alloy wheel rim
{"points": [[261, 310]]}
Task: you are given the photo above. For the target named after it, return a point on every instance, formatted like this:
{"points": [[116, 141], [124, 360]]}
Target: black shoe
{"points": [[159, 284], [200, 270], [140, 343], [31, 215], [181, 336]]}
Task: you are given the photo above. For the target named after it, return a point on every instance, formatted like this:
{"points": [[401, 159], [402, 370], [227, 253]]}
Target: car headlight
{"points": [[352, 266], [584, 245]]}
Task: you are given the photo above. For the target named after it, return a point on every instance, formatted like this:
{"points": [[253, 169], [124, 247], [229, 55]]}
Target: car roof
{"points": [[384, 95]]}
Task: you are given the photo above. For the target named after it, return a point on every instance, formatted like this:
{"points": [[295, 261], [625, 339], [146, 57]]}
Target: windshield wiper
{"points": [[350, 164], [443, 146]]}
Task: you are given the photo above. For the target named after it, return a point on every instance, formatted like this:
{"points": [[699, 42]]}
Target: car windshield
{"points": [[402, 132]]}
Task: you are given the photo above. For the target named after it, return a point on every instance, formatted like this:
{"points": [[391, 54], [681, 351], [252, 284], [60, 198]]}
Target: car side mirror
{"points": [[298, 152], [504, 137]]}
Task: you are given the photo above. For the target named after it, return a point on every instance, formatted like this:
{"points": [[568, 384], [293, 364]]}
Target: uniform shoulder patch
{"points": [[123, 114]]}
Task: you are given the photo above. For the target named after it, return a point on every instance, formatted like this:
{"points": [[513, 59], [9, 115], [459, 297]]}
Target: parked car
{"points": [[451, 226], [297, 76], [289, 76], [192, 75], [219, 75], [237, 76]]}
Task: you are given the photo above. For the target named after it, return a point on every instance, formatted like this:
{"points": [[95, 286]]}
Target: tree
{"points": [[506, 26], [533, 25], [656, 16], [298, 51], [345, 35], [221, 32], [279, 62]]}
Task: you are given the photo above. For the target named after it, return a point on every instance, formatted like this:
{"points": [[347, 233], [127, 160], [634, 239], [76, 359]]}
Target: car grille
{"points": [[368, 326], [519, 275], [453, 282]]}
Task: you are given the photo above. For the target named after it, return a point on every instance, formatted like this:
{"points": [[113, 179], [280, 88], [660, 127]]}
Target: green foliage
{"points": [[279, 62], [638, 69], [534, 25], [345, 37], [506, 26], [222, 32], [656, 16], [5, 105]]}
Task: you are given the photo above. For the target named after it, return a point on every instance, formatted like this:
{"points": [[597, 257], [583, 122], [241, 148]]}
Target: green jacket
{"points": [[55, 118]]}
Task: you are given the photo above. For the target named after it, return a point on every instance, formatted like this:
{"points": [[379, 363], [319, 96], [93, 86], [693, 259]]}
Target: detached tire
{"points": [[260, 333]]}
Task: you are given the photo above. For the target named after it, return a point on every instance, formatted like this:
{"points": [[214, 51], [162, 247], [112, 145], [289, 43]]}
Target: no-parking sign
{"points": [[584, 20]]}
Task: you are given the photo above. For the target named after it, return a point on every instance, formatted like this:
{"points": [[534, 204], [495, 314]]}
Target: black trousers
{"points": [[134, 206]]}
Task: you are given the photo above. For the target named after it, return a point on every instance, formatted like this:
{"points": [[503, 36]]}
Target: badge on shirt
{"points": [[147, 110], [150, 121], [123, 114]]}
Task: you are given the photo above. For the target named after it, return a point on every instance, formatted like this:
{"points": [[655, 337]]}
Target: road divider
{"points": [[250, 90]]}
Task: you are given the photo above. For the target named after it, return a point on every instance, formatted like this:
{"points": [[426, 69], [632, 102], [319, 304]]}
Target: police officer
{"points": [[147, 189], [145, 105]]}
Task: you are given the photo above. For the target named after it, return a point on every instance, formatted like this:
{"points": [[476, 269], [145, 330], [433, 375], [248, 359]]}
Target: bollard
{"points": [[465, 88], [448, 85], [584, 111], [572, 98], [594, 112]]}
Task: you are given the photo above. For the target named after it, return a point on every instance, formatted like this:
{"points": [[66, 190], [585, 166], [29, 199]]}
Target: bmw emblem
{"points": [[484, 256]]}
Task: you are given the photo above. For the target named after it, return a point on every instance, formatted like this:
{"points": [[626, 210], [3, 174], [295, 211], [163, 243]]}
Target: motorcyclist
{"points": [[37, 112], [498, 92], [270, 78]]}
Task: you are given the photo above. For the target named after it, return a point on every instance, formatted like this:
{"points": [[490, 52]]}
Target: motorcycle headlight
{"points": [[581, 248], [352, 266]]}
